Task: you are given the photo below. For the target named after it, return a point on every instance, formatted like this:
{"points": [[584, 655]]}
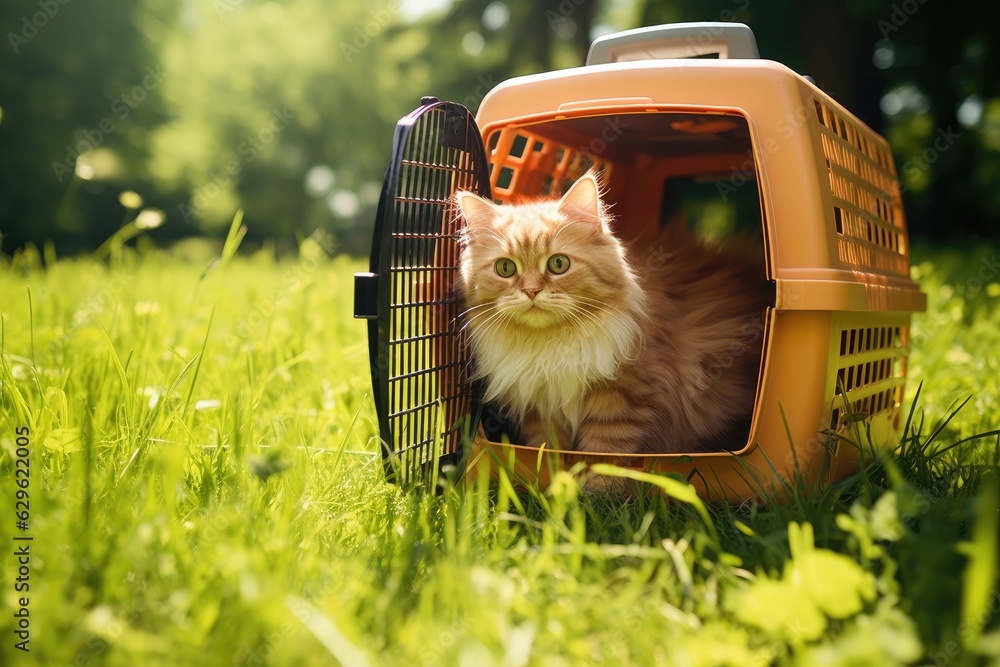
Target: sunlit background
{"points": [[194, 109]]}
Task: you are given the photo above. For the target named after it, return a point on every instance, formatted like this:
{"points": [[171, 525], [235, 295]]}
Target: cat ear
{"points": [[476, 210], [584, 198]]}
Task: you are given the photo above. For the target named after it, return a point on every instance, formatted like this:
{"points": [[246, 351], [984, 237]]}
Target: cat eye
{"points": [[505, 267], [558, 264]]}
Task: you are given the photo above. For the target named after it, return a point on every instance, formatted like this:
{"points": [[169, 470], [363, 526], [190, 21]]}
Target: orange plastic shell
{"points": [[836, 247]]}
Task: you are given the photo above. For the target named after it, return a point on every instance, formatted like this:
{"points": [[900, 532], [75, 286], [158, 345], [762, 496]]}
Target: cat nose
{"points": [[531, 291]]}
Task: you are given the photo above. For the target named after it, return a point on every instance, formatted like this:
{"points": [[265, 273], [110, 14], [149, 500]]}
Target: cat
{"points": [[586, 351]]}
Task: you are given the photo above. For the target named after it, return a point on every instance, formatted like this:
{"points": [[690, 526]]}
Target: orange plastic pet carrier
{"points": [[731, 138]]}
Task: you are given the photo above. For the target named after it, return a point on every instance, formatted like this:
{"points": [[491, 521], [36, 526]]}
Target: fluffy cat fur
{"points": [[642, 349]]}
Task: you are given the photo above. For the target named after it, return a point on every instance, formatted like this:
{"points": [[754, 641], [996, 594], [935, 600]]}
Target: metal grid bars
{"points": [[866, 207], [429, 395]]}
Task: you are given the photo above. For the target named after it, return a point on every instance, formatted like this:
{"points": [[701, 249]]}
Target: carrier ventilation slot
{"points": [[867, 209], [870, 371], [525, 163]]}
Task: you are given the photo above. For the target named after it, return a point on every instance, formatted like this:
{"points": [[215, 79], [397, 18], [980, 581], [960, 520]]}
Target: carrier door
{"points": [[428, 407]]}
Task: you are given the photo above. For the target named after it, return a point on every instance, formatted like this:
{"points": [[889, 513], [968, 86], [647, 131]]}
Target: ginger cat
{"points": [[586, 352]]}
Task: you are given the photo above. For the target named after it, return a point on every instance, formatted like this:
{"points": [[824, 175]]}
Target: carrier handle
{"points": [[675, 40]]}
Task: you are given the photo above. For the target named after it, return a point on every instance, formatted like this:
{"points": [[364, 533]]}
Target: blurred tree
{"points": [[74, 78], [941, 97]]}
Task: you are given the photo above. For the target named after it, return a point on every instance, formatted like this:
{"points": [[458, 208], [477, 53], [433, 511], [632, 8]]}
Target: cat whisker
{"points": [[574, 318], [469, 310], [601, 304], [615, 332], [495, 319], [499, 320], [475, 319], [632, 317], [608, 309], [578, 311], [482, 320], [475, 308]]}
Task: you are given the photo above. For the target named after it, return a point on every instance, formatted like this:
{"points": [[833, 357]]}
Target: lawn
{"points": [[205, 490]]}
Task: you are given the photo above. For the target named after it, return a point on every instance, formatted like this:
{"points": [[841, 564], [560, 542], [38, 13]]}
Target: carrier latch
{"points": [[365, 296]]}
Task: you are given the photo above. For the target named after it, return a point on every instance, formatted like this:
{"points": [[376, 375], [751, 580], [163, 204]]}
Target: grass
{"points": [[205, 490]]}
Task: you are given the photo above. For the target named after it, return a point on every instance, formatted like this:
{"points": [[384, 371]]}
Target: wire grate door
{"points": [[426, 403]]}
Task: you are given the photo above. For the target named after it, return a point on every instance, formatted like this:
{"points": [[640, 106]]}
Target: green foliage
{"points": [[962, 320], [817, 585], [206, 489], [285, 110]]}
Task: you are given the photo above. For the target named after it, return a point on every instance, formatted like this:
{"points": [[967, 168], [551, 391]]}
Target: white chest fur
{"points": [[551, 370]]}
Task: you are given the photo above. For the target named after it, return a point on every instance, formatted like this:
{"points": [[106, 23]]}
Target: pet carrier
{"points": [[755, 143]]}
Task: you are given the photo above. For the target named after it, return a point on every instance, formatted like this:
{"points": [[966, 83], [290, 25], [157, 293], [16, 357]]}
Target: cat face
{"points": [[543, 264]]}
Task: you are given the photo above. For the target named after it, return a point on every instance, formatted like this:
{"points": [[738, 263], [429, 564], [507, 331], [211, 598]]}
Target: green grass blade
{"points": [[983, 552], [673, 488], [199, 358], [237, 230], [31, 328], [116, 360]]}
